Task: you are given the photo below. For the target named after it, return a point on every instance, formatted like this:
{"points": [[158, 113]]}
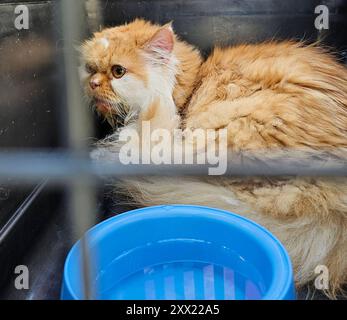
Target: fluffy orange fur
{"points": [[269, 96], [125, 43]]}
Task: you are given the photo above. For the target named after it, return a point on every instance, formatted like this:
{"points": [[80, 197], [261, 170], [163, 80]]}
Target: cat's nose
{"points": [[94, 83]]}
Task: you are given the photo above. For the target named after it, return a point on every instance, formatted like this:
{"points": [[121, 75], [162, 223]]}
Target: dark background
{"points": [[33, 226]]}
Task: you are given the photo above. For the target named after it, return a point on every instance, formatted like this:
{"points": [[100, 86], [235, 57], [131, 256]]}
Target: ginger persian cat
{"points": [[269, 96]]}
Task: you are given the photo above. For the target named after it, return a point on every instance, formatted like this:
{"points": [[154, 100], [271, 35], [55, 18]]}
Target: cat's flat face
{"points": [[124, 66]]}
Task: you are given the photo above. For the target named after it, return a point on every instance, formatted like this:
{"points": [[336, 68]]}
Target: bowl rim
{"points": [[282, 278]]}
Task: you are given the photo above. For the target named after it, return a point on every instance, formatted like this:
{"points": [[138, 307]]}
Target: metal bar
{"points": [[82, 195], [67, 167]]}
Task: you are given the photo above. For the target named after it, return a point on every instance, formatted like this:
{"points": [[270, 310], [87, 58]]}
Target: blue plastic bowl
{"points": [[181, 252]]}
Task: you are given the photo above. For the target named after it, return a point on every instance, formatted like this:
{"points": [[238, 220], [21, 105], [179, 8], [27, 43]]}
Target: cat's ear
{"points": [[162, 42]]}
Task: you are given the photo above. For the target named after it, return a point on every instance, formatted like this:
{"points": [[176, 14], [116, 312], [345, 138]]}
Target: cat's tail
{"points": [[154, 190]]}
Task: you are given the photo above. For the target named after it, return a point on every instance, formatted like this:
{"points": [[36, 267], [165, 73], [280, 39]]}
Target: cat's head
{"points": [[126, 66]]}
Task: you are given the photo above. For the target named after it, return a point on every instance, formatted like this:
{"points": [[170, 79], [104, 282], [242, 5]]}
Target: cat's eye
{"points": [[90, 69], [118, 71]]}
